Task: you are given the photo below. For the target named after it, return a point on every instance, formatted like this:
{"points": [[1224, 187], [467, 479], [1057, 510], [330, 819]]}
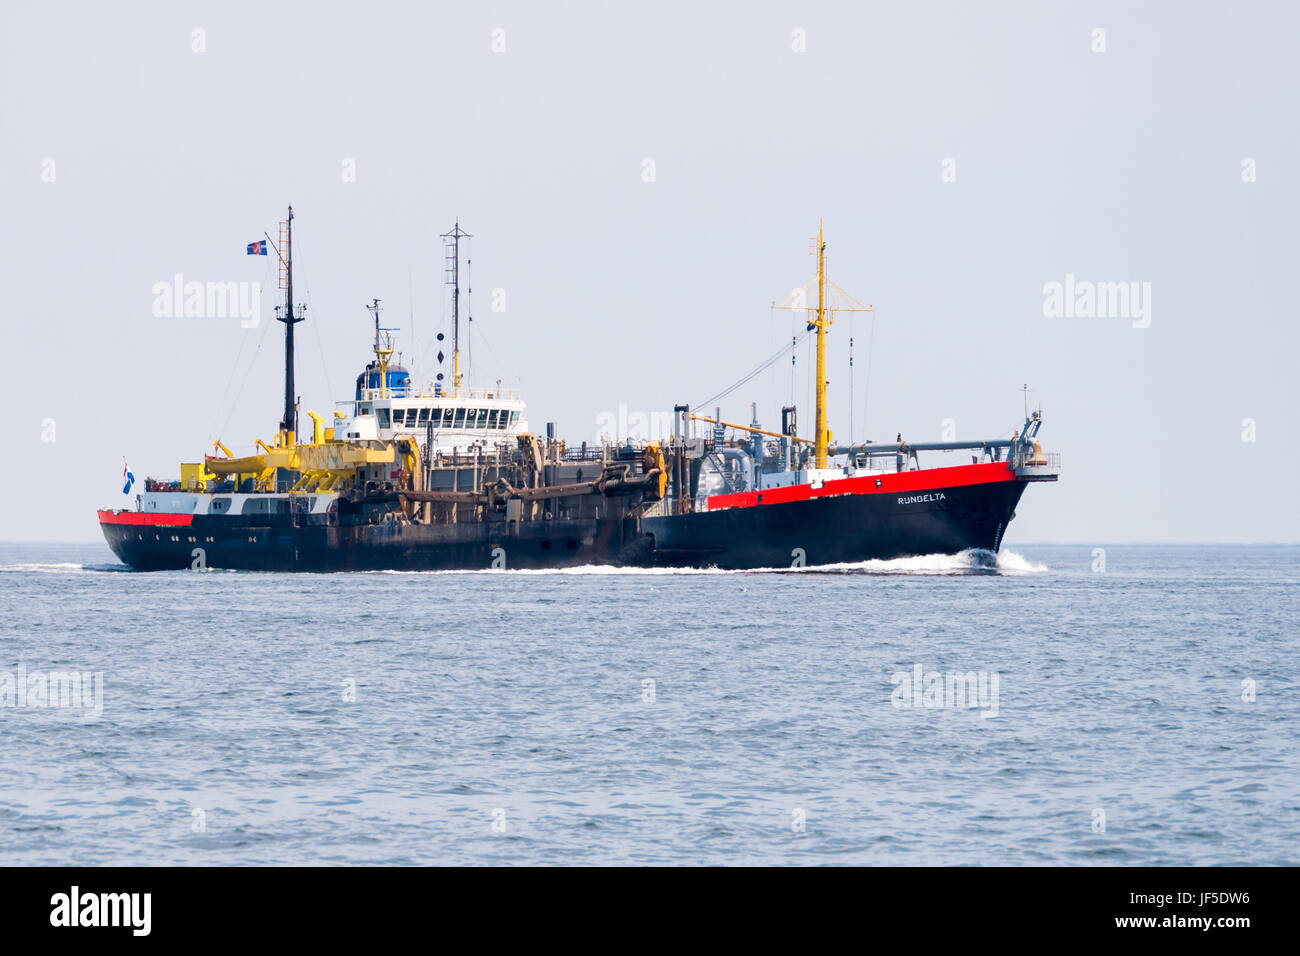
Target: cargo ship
{"points": [[447, 476]]}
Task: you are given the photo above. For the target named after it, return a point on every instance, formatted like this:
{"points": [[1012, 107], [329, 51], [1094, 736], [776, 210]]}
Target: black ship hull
{"points": [[217, 542], [836, 530], [830, 529]]}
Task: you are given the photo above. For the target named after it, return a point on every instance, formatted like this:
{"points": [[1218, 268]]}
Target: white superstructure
{"points": [[387, 405], [466, 417]]}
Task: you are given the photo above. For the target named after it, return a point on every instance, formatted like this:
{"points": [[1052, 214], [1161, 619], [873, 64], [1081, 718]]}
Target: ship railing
{"points": [[583, 452], [1048, 461], [624, 450], [892, 459], [660, 509], [488, 456], [374, 394], [412, 391], [510, 394]]}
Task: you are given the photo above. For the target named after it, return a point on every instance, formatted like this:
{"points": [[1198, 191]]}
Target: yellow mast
{"points": [[383, 349], [822, 438], [823, 320], [385, 356]]}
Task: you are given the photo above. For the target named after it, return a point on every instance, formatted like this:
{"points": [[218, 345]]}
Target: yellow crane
{"points": [[748, 428]]}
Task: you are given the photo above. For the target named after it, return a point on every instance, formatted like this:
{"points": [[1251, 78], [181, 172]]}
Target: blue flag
{"points": [[257, 248]]}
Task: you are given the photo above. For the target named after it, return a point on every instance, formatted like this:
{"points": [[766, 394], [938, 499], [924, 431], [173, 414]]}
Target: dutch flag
{"points": [[128, 479]]}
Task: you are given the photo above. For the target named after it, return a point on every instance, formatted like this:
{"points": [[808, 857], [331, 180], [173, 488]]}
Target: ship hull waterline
{"points": [[834, 529]]}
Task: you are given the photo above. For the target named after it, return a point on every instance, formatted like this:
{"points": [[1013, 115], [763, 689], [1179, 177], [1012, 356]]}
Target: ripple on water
{"points": [[611, 715]]}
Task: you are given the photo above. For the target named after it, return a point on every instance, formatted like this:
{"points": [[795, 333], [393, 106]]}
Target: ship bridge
{"points": [[387, 406], [462, 418]]}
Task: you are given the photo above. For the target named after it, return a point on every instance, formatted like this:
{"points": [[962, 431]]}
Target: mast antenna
{"points": [[469, 310], [451, 258], [383, 348], [290, 316]]}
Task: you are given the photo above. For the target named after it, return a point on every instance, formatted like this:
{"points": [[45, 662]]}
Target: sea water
{"points": [[1052, 704]]}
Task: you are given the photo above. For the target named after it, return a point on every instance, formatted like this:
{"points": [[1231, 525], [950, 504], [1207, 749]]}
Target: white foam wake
{"points": [[1012, 563], [59, 567], [972, 561]]}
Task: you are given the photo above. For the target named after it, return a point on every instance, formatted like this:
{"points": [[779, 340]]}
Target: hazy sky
{"points": [[963, 156]]}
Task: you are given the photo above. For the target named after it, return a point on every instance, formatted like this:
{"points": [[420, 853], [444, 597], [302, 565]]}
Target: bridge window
{"points": [[514, 419], [411, 415], [382, 413], [447, 414], [424, 416], [492, 417], [460, 418]]}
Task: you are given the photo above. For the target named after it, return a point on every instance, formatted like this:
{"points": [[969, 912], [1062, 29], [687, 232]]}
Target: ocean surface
{"points": [[1139, 706]]}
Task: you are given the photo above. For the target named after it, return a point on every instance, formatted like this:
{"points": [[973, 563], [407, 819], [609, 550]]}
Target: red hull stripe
{"points": [[142, 517], [904, 482]]}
